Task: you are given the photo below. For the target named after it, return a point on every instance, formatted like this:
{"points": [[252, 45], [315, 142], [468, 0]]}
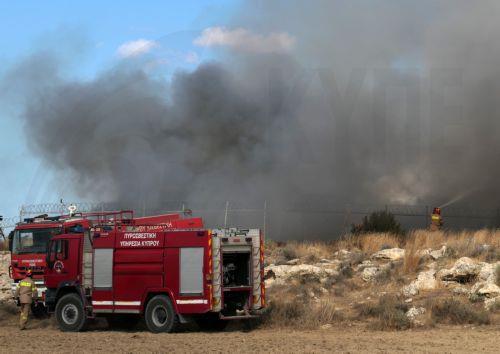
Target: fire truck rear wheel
{"points": [[160, 315], [70, 313]]}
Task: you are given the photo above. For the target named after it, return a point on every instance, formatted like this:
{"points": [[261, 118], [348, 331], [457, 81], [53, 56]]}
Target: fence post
{"points": [[265, 221], [225, 214]]}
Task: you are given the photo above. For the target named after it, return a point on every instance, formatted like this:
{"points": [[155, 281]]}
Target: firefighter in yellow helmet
{"points": [[26, 292], [436, 220]]}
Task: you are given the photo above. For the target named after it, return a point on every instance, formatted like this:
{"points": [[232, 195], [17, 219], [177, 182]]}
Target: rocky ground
{"points": [[374, 293], [5, 281], [369, 280]]}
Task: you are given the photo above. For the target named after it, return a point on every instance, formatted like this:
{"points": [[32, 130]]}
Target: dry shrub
{"points": [[369, 243], [290, 252], [309, 251], [389, 312], [411, 261], [423, 239], [324, 312], [470, 243], [416, 241], [299, 313], [455, 311]]}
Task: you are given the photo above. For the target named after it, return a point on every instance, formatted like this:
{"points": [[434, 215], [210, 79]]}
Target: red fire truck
{"points": [[29, 240], [124, 271], [28, 246]]}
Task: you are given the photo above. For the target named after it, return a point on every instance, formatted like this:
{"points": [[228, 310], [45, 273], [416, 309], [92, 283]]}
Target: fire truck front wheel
{"points": [[70, 313], [160, 315]]}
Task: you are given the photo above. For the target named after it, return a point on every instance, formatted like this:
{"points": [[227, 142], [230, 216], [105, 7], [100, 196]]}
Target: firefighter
{"points": [[436, 220], [26, 292]]}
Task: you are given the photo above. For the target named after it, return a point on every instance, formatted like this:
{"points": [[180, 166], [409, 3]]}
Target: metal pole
{"points": [[265, 221], [225, 214]]}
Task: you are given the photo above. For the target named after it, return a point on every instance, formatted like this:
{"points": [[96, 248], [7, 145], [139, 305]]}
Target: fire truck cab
{"points": [[124, 271], [28, 246]]}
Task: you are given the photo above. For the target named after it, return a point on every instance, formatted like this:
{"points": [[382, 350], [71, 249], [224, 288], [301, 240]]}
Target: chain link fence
{"points": [[299, 220]]}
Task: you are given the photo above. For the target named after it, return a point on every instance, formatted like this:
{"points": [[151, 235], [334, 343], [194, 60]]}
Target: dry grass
{"points": [[369, 243], [311, 251], [459, 244], [456, 311], [412, 258], [305, 304], [389, 312], [297, 312]]}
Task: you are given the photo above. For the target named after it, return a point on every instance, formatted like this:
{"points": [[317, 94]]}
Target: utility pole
{"points": [[1, 228]]}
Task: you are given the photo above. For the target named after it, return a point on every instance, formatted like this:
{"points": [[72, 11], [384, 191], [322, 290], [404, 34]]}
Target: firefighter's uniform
{"points": [[436, 220], [26, 292]]}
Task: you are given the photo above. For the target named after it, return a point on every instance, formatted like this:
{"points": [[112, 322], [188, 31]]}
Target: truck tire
{"points": [[70, 314], [160, 315]]}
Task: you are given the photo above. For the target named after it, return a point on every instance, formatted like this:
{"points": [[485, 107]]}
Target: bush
{"points": [[492, 255], [390, 313], [290, 252], [379, 221], [453, 311], [301, 313], [281, 312], [497, 274]]}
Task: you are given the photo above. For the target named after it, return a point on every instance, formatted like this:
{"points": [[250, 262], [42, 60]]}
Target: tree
{"points": [[378, 221]]}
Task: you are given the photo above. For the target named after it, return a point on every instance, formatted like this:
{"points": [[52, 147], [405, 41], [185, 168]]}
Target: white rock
{"points": [[326, 326], [414, 312], [485, 289], [489, 304], [323, 290], [370, 273], [460, 290], [425, 281], [463, 270], [294, 261], [324, 260], [436, 254], [392, 254], [284, 272], [365, 264], [488, 271], [342, 253]]}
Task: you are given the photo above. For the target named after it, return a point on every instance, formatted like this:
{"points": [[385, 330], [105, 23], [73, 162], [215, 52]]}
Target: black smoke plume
{"points": [[378, 102]]}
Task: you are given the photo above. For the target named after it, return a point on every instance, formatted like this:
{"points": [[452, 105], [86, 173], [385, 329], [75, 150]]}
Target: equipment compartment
{"points": [[236, 269]]}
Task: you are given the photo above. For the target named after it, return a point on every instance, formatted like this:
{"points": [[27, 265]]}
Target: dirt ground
{"points": [[43, 336]]}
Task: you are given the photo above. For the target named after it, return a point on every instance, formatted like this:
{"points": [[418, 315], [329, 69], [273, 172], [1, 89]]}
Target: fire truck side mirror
{"points": [[11, 239]]}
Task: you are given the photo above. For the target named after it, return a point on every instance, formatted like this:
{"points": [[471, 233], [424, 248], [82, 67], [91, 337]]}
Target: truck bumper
{"points": [[243, 315]]}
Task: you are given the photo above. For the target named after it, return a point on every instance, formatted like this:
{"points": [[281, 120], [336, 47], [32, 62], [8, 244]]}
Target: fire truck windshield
{"points": [[33, 240]]}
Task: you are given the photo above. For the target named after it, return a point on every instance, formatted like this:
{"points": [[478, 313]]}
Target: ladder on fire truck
{"points": [[87, 263], [100, 220]]}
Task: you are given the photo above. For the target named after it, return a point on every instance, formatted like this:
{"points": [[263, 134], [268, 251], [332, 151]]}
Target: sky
{"points": [[368, 102], [111, 32]]}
